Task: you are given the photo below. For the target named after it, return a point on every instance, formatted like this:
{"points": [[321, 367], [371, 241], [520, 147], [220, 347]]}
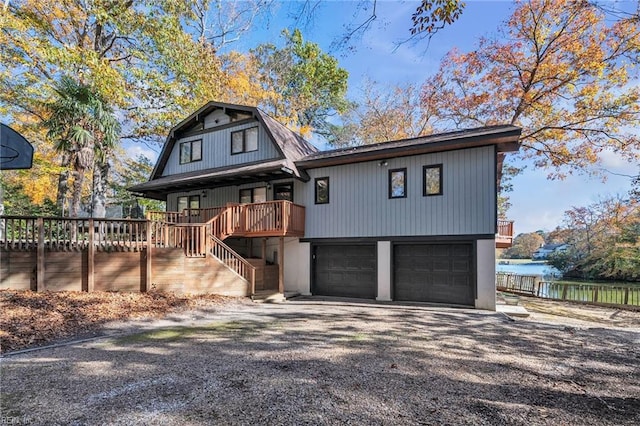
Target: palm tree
{"points": [[85, 131]]}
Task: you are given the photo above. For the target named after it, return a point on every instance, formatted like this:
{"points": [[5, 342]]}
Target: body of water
{"points": [[528, 268]]}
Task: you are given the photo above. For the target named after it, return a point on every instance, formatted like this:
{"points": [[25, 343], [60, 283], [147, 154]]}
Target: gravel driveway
{"points": [[329, 362]]}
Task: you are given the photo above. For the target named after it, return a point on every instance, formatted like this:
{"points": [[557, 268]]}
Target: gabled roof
{"points": [[290, 145]]}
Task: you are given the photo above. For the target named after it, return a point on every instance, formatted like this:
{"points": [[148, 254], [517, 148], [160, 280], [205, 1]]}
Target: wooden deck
{"points": [[269, 219], [187, 248], [504, 237]]}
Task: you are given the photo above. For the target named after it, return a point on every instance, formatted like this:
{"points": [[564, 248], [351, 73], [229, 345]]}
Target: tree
{"points": [[304, 85], [130, 172], [85, 130], [604, 239], [559, 70], [524, 245], [150, 62], [384, 114], [433, 15], [430, 16]]}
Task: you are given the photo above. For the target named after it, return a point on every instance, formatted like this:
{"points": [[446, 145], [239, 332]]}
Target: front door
{"points": [[283, 191]]}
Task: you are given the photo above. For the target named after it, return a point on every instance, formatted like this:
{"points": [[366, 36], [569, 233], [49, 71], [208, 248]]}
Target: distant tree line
{"points": [[603, 240]]}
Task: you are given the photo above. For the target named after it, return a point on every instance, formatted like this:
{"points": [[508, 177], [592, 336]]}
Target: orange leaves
{"points": [[561, 70]]}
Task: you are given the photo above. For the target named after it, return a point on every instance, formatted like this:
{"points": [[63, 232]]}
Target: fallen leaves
{"points": [[33, 319]]}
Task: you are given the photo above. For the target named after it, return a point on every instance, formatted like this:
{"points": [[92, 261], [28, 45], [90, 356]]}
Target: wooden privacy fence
{"points": [[624, 295]]}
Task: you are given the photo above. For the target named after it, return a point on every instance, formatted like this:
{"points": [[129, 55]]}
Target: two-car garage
{"points": [[435, 272]]}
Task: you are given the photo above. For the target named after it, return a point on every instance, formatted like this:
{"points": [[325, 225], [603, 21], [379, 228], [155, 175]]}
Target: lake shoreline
{"points": [[547, 272]]}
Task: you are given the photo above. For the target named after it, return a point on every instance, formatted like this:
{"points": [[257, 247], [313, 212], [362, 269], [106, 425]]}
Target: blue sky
{"points": [[538, 203]]}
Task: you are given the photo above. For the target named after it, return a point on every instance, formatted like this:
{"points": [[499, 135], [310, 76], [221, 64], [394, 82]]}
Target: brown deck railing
{"points": [[504, 237], [63, 233], [234, 261], [272, 218]]}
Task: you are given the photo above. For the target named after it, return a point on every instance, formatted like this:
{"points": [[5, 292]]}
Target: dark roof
{"points": [[505, 137], [292, 146]]}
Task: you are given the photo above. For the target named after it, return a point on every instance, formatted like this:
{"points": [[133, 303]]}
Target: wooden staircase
{"points": [[201, 232]]}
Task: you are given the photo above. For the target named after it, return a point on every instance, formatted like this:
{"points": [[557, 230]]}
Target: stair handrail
{"points": [[238, 264]]}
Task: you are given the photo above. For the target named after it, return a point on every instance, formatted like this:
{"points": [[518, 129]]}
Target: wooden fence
{"points": [[620, 295]]}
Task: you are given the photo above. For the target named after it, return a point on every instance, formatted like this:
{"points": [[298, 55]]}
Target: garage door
{"points": [[440, 273], [345, 271]]}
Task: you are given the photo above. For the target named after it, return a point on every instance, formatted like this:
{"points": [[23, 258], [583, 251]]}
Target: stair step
{"points": [[271, 296]]}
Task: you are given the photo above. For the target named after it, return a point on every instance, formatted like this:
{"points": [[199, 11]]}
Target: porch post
{"points": [[281, 266], [146, 285], [40, 284], [91, 254]]}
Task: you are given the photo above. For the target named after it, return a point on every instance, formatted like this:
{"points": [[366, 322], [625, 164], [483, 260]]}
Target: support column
{"points": [[384, 271], [281, 266], [91, 258], [146, 285], [40, 284], [486, 274]]}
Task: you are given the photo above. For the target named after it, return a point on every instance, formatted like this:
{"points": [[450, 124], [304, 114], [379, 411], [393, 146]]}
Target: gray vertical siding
{"points": [[218, 197], [216, 151], [359, 204]]}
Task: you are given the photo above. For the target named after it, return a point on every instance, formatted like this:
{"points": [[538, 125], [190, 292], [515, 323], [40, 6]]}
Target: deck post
{"points": [[146, 285], [281, 266], [91, 255], [40, 284]]}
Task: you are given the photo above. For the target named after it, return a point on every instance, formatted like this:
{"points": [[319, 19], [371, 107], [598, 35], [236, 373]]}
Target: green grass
{"points": [[172, 334]]}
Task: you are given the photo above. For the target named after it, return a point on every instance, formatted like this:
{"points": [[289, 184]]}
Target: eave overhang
{"points": [[505, 138], [213, 178]]}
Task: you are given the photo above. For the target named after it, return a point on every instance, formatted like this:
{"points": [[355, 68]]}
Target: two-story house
{"points": [[407, 220]]}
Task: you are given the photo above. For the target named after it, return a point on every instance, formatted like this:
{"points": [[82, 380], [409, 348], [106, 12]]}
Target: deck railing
{"points": [[234, 261], [504, 236], [624, 295], [272, 218], [66, 234], [505, 228], [75, 234]]}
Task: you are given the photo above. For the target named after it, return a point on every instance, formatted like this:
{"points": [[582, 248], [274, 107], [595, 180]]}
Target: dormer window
{"points": [[190, 151], [244, 140]]}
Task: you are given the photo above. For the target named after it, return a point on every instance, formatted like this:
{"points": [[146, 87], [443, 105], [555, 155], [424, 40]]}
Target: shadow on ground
{"points": [[321, 362]]}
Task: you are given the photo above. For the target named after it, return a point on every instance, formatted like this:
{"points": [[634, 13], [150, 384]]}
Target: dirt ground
{"points": [[313, 361], [580, 315], [32, 319]]}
